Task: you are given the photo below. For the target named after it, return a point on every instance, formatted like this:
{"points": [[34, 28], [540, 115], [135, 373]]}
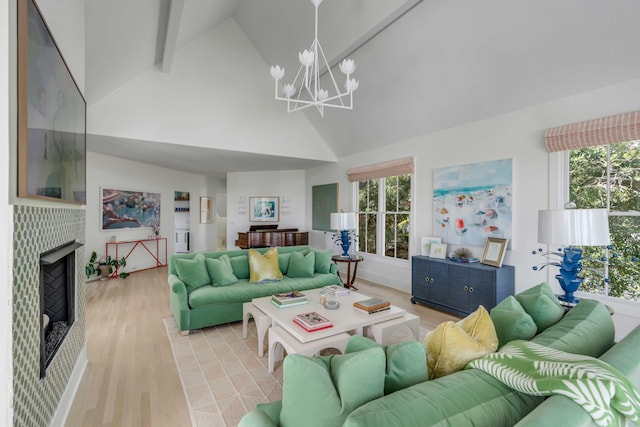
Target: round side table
{"points": [[350, 279]]}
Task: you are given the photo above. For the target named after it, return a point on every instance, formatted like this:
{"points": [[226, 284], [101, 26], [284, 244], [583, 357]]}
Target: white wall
{"points": [[518, 136], [113, 172], [7, 138], [289, 184], [213, 92]]}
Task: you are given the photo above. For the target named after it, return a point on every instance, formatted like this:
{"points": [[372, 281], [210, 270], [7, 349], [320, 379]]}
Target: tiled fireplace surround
{"points": [[37, 230]]}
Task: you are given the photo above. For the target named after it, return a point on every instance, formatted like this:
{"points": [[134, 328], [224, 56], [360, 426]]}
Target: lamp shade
{"points": [[574, 227], [343, 221]]}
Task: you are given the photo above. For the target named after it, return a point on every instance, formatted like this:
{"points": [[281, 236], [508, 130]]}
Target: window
{"points": [[384, 208], [608, 176]]}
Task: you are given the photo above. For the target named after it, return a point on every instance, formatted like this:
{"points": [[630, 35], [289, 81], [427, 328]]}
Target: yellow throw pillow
{"points": [[264, 268], [454, 344]]}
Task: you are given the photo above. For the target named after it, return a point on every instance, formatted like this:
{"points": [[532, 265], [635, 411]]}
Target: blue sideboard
{"points": [[458, 287]]}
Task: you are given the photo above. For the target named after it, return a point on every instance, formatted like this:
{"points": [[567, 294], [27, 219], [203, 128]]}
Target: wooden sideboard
{"points": [[264, 238]]}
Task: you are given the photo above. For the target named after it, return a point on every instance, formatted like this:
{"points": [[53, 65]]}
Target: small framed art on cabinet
{"points": [[494, 250], [438, 250]]}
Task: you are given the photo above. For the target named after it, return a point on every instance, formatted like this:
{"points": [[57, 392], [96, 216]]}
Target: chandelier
{"points": [[305, 90]]}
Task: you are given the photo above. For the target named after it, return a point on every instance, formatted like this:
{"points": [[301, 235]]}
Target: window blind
{"points": [[381, 170], [607, 130]]}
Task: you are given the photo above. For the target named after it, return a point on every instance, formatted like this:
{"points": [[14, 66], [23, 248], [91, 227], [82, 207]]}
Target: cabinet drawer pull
{"points": [[431, 281], [471, 289], [466, 288], [426, 279]]}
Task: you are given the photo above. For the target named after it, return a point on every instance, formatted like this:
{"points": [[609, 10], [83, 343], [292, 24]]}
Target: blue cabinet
{"points": [[459, 288]]}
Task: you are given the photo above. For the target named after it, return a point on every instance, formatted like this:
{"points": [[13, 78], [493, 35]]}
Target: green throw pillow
{"points": [[302, 265], [240, 265], [323, 391], [283, 262], [512, 322], [323, 261], [405, 362], [543, 306], [221, 271], [193, 273]]}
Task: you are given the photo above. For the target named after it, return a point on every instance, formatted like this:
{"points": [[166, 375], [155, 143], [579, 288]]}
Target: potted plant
{"points": [[104, 266]]}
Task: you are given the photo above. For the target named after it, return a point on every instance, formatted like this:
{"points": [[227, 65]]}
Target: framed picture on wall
{"points": [[264, 209], [206, 215], [51, 116]]}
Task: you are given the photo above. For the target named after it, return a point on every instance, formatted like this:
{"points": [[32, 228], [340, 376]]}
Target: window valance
{"points": [[381, 170], [607, 130]]}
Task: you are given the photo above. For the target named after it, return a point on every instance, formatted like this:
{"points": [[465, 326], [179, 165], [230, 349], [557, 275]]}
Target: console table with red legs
{"points": [[350, 279], [151, 247]]}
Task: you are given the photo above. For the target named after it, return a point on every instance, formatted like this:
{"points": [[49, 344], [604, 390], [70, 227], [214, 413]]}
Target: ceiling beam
{"points": [[374, 31], [173, 27]]}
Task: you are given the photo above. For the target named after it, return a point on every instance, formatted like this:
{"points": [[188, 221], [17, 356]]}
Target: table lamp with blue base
{"points": [[571, 228], [344, 223]]}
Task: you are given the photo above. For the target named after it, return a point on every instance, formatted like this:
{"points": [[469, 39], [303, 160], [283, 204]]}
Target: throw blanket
{"points": [[606, 394]]}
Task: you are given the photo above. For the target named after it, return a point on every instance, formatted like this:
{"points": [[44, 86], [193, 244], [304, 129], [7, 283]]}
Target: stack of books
{"points": [[335, 290], [289, 299], [312, 321], [372, 305]]}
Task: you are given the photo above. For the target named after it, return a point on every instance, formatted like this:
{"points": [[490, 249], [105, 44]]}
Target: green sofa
{"points": [[211, 305], [473, 398]]}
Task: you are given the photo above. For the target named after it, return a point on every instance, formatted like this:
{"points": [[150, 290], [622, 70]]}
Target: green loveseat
{"points": [[211, 305], [473, 398]]}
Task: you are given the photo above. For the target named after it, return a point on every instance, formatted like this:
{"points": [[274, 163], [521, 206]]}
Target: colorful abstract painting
{"points": [[129, 209], [472, 202]]}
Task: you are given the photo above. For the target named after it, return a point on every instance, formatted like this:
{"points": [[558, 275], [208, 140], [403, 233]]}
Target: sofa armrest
{"points": [[178, 287], [264, 415], [333, 269], [178, 300], [621, 356]]}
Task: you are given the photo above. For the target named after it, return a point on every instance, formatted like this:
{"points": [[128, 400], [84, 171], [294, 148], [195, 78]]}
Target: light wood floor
{"points": [[131, 378]]}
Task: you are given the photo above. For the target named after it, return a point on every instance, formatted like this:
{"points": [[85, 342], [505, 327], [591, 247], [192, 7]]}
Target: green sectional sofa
{"points": [[196, 307], [472, 397]]}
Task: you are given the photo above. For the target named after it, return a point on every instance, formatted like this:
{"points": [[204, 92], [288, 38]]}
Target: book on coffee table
{"points": [[335, 290], [372, 311], [372, 304], [289, 297], [312, 321]]}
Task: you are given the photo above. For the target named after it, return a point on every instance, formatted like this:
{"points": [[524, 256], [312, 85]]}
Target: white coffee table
{"points": [[344, 319]]}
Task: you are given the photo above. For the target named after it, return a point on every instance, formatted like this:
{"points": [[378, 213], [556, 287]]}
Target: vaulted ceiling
{"points": [[423, 65]]}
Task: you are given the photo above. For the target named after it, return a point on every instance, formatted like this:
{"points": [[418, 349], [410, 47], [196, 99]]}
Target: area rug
{"points": [[222, 376]]}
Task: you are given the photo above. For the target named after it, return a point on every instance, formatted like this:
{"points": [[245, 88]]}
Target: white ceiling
{"points": [[441, 64]]}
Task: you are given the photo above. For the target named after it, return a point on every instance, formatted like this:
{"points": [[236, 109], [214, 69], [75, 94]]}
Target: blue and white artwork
{"points": [[472, 202]]}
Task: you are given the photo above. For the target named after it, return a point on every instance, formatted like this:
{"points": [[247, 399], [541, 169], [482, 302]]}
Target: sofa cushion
{"points": [[468, 398], [452, 345], [323, 391], [405, 362], [323, 261], [543, 306], [586, 329], [264, 268], [193, 272], [302, 265], [512, 322], [283, 262], [240, 265], [221, 271]]}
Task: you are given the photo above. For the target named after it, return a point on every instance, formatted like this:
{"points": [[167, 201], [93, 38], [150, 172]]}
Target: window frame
{"points": [[380, 225], [559, 172]]}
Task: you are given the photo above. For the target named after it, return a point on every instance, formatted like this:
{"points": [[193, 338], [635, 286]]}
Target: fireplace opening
{"points": [[57, 300]]}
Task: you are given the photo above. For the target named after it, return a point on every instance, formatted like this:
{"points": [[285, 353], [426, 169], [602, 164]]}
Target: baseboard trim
{"points": [[62, 412]]}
